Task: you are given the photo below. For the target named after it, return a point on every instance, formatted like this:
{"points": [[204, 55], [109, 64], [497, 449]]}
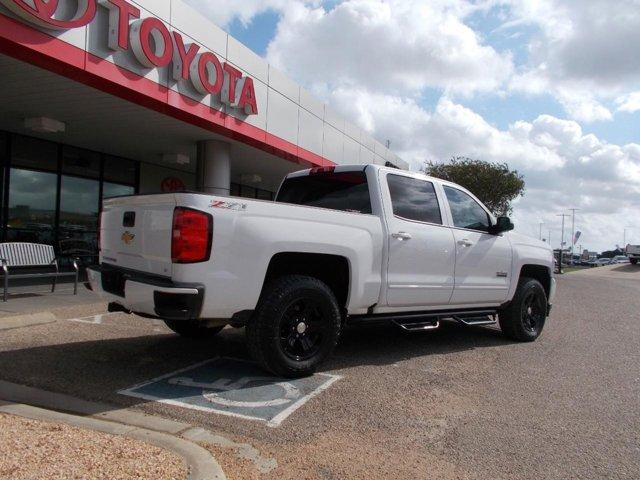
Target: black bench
{"points": [[32, 255]]}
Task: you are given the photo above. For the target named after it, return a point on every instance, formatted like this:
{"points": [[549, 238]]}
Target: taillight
{"points": [[191, 236]]}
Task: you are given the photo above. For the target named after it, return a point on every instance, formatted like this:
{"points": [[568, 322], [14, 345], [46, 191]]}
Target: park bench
{"points": [[18, 258]]}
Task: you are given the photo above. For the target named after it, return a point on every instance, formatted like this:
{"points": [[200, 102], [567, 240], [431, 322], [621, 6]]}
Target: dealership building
{"points": [[101, 98]]}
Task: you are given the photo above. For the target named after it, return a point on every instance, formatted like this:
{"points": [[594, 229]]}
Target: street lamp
{"points": [[563, 215], [541, 223]]}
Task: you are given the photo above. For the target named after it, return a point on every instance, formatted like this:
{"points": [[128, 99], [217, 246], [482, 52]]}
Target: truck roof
{"points": [[362, 168]]}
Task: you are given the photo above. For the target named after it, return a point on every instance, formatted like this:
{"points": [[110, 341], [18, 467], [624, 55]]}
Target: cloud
{"points": [[584, 52], [393, 46], [223, 12], [629, 103]]}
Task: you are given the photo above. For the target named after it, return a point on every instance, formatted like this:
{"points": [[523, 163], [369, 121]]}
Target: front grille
{"points": [[113, 282]]}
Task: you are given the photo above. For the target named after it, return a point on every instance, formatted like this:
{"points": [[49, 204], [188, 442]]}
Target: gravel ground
{"points": [[34, 450], [453, 403]]}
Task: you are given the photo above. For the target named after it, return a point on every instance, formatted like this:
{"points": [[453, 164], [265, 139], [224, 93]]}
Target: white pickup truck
{"points": [[633, 252], [346, 244]]}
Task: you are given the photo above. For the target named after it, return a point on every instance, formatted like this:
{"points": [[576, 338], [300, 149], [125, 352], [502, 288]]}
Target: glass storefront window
{"points": [[110, 190], [79, 202], [33, 153], [84, 163], [32, 206], [119, 170]]}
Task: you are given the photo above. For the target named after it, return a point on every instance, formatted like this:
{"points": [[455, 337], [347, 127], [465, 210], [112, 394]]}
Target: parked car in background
{"points": [[620, 259], [633, 252], [600, 262]]}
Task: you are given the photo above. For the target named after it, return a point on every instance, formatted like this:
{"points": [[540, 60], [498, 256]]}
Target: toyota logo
{"points": [[42, 13]]}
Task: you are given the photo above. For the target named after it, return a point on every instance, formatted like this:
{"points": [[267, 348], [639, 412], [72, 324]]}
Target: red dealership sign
{"points": [[151, 42], [172, 184]]}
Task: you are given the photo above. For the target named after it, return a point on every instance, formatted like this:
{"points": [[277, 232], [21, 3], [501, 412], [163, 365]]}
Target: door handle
{"points": [[401, 236], [465, 242]]}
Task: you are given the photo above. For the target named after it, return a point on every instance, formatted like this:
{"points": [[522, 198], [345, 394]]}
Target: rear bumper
{"points": [[147, 294]]}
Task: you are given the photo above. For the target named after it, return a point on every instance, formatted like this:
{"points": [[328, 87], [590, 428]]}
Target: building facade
{"points": [[102, 98]]}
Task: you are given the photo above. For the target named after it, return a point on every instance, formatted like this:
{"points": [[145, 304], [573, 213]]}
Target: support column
{"points": [[215, 167]]}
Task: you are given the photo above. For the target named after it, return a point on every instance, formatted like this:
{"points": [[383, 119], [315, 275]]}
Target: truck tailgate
{"points": [[135, 233]]}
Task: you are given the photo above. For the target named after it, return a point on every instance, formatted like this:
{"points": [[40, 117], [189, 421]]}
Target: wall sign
{"points": [[153, 44]]}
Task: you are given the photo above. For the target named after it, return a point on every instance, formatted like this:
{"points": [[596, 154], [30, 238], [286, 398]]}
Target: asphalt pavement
{"points": [[453, 403]]}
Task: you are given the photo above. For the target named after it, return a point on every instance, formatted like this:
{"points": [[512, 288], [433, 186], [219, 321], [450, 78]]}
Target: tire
{"points": [[194, 329], [634, 261], [524, 318], [295, 327]]}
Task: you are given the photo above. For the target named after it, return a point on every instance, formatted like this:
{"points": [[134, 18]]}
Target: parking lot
{"points": [[452, 403]]}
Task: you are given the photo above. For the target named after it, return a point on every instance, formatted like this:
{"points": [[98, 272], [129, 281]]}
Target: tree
{"points": [[493, 183]]}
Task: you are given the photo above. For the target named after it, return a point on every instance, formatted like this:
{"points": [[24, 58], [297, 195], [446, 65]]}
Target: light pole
{"points": [[573, 230], [541, 223], [563, 215]]}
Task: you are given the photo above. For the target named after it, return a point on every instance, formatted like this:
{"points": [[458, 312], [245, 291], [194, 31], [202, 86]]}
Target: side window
{"points": [[466, 212], [414, 199]]}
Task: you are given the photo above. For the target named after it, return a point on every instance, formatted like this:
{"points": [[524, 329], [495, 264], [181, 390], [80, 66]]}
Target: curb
{"points": [[139, 426]]}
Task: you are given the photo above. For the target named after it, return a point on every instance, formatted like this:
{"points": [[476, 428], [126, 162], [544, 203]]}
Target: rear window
{"points": [[346, 191]]}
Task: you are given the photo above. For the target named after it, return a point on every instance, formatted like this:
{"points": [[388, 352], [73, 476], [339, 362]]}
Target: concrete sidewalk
{"points": [[34, 299]]}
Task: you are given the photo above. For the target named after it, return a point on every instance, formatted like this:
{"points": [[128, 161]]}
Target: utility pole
{"points": [[563, 215], [541, 223], [573, 230]]}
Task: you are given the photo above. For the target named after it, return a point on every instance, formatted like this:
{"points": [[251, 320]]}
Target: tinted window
{"points": [[347, 191], [414, 199], [466, 212]]}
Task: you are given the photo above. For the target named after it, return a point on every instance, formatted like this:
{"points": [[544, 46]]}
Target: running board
{"points": [[418, 326], [419, 321], [475, 321]]}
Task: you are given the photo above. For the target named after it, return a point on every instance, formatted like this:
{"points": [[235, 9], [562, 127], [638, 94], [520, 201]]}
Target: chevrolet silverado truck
{"points": [[339, 245], [633, 252]]}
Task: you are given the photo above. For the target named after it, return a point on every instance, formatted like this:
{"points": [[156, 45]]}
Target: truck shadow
{"points": [[388, 344], [626, 268], [97, 369]]}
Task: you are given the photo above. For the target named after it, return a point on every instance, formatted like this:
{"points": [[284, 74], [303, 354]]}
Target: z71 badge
{"points": [[228, 205]]}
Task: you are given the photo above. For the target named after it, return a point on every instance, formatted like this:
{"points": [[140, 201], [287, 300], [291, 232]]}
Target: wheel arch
{"points": [[333, 270], [540, 273]]}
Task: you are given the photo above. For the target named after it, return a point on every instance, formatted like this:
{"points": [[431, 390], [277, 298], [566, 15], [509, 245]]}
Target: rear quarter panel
{"points": [[248, 233]]}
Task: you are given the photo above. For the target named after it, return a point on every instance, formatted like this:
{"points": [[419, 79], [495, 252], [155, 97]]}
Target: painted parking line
{"points": [[233, 387], [93, 319]]}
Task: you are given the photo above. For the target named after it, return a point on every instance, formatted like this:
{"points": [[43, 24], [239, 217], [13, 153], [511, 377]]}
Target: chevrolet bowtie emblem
{"points": [[127, 238]]}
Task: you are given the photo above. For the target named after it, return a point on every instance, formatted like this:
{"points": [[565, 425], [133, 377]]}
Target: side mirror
{"points": [[503, 224]]}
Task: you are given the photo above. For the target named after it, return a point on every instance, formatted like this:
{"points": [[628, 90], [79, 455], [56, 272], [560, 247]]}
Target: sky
{"points": [[551, 87]]}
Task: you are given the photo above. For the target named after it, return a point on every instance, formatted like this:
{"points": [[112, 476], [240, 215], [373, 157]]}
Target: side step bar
{"points": [[418, 326], [421, 321]]}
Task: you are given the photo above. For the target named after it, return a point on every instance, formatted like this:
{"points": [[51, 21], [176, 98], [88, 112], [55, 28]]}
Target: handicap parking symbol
{"points": [[233, 387]]}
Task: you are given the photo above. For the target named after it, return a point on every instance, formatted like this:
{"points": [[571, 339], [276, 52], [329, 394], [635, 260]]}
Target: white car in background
{"points": [[620, 259], [600, 262]]}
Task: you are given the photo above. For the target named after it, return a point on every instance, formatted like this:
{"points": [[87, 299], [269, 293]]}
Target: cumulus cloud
{"points": [[584, 52], [391, 46], [223, 12], [629, 103]]}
